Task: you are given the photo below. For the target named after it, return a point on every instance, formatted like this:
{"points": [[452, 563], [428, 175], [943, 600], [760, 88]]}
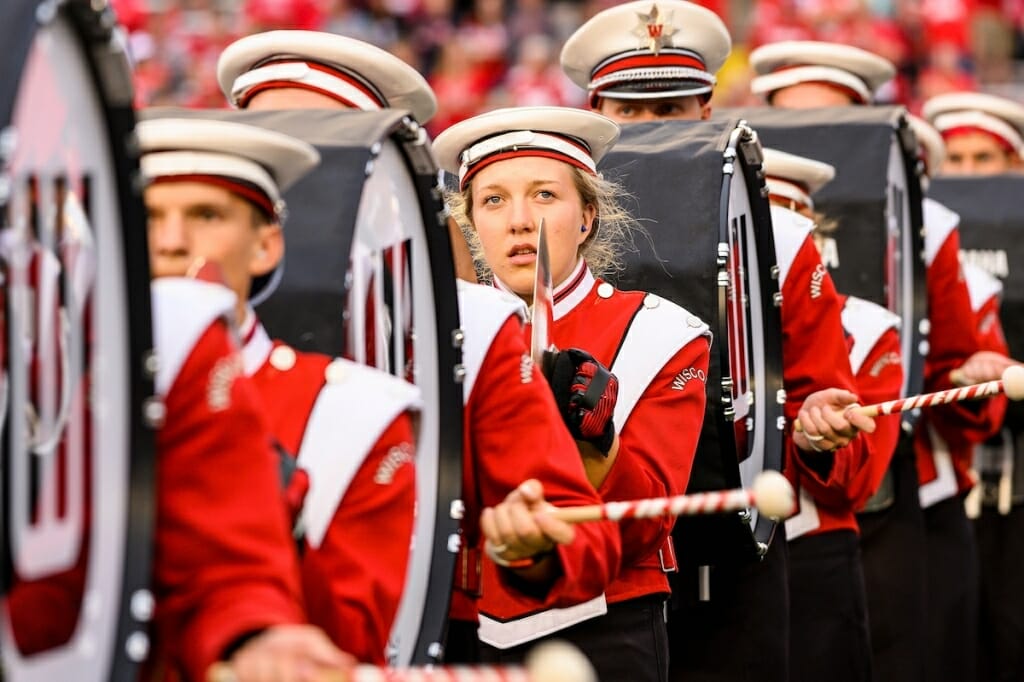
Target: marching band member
{"points": [[314, 70], [983, 136], [821, 600], [506, 401], [211, 198], [668, 73], [803, 74], [225, 577], [637, 427]]}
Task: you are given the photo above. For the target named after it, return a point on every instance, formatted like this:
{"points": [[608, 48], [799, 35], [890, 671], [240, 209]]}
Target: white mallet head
{"points": [[773, 495], [1013, 382], [559, 661]]}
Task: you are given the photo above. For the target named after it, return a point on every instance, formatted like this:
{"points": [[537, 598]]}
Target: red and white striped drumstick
{"points": [[1012, 384], [771, 494], [547, 662]]}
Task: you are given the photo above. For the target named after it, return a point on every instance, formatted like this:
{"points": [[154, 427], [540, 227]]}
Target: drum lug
{"points": [[457, 510], [723, 279], [727, 384], [924, 326], [780, 423], [454, 543], [458, 337], [150, 363], [459, 373], [745, 515], [154, 411], [777, 299], [723, 254], [762, 550], [780, 396], [774, 272], [730, 413]]}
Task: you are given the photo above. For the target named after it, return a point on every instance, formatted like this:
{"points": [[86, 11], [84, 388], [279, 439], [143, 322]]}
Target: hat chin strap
{"points": [[791, 191]]}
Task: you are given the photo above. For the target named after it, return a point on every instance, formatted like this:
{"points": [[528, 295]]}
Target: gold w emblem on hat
{"points": [[655, 29]]}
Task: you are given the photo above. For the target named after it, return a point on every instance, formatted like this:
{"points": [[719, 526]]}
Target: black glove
{"points": [[585, 392]]}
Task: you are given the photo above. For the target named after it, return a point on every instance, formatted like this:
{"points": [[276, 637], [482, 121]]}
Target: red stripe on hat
{"points": [[316, 66], [523, 151], [242, 189], [649, 61], [1003, 143], [855, 96]]}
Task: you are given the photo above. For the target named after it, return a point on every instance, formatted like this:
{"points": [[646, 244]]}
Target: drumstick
{"points": [[548, 662], [771, 494], [1012, 384]]}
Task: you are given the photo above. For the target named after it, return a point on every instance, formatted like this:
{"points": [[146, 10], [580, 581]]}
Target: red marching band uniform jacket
{"points": [[815, 355], [224, 564], [351, 430], [513, 432], [659, 352], [946, 434]]}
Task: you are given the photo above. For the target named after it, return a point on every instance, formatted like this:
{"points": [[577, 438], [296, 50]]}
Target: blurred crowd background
{"points": [[482, 54]]}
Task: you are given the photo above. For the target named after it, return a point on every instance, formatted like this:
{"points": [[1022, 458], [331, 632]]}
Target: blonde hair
{"points": [[613, 229]]}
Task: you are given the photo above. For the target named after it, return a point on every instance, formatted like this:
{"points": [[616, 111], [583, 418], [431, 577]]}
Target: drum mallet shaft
{"points": [[1012, 384], [771, 494]]}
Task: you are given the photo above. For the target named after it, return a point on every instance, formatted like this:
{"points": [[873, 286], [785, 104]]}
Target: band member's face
{"points": [[194, 222], [292, 98], [810, 96], [976, 153], [509, 199], [688, 108]]}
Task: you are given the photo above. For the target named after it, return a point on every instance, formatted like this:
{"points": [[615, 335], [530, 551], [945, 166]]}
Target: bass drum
{"points": [[876, 199], [76, 478], [368, 275], [699, 193]]}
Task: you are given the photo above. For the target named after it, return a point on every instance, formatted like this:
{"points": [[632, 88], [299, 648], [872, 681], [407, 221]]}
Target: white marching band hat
{"points": [[795, 178], [351, 71], [260, 163], [974, 111], [931, 146], [252, 162], [579, 138], [850, 69], [645, 49]]}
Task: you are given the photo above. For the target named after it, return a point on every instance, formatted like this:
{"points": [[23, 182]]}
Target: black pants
{"points": [[462, 645], [629, 643], [828, 620], [1001, 558], [742, 633], [952, 625], [893, 552]]}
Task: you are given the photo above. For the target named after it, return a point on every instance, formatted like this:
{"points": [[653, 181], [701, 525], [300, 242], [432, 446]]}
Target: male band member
{"points": [[512, 429], [804, 74], [224, 572], [983, 135], [213, 195], [821, 604], [639, 62], [312, 70]]}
